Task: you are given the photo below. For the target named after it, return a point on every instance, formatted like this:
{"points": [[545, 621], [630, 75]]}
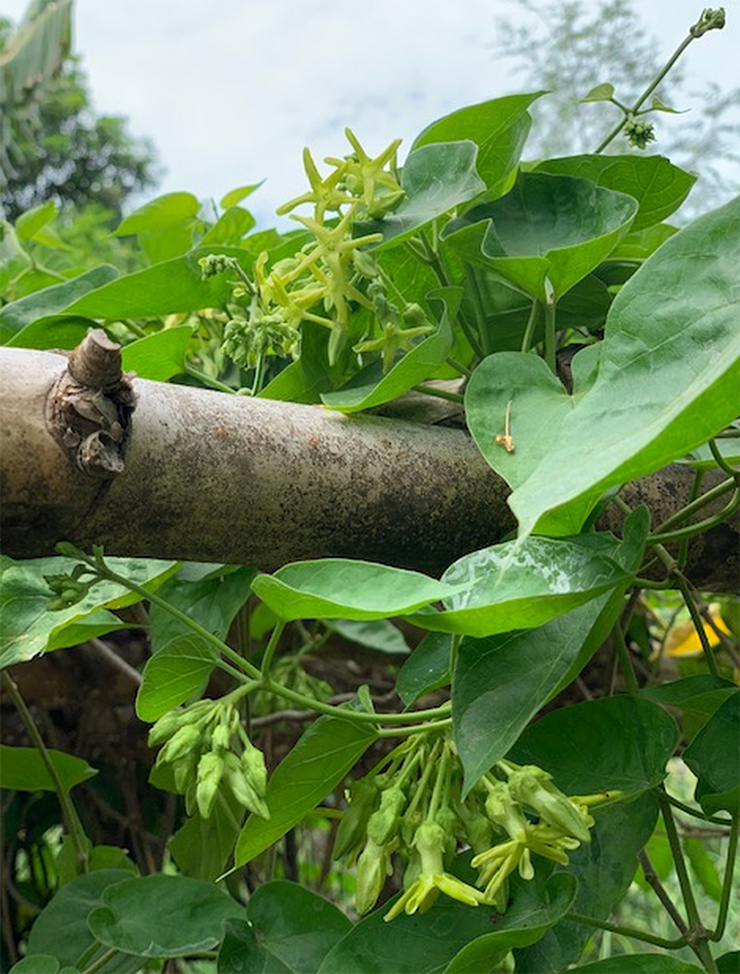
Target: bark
{"points": [[170, 471]]}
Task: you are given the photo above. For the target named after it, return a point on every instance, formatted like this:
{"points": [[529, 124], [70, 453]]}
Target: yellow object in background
{"points": [[683, 639]]}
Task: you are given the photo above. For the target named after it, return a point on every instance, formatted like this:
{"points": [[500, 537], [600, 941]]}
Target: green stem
{"points": [[722, 463], [683, 547], [698, 622], [647, 92], [270, 650], [690, 509], [415, 728], [207, 380], [459, 367], [625, 662], [101, 961], [724, 903], [531, 327], [697, 813], [649, 938], [439, 393], [134, 328], [69, 812], [699, 527], [550, 350]]}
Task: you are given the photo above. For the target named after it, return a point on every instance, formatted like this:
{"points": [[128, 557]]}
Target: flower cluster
{"points": [[410, 807], [208, 749], [639, 133], [330, 274]]}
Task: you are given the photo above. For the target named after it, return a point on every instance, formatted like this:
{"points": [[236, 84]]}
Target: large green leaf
{"points": [[229, 228], [521, 585], [22, 769], [604, 869], [174, 675], [53, 331], [436, 178], [668, 377], [696, 697], [498, 127], [417, 944], [174, 285], [714, 757], [51, 300], [317, 763], [29, 628], [426, 669], [163, 226], [339, 588], [202, 847], [162, 916], [545, 235], [616, 743], [535, 907], [290, 928], [657, 185], [61, 928]]}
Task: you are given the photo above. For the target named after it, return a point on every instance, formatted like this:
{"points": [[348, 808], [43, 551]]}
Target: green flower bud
{"points": [[184, 771], [210, 771], [353, 824], [533, 787], [373, 866], [184, 741], [253, 765], [365, 263], [503, 811], [164, 728], [241, 787], [383, 823], [220, 738]]}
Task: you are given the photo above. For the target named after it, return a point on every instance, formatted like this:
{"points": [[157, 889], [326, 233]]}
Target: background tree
{"points": [[54, 145], [569, 48]]}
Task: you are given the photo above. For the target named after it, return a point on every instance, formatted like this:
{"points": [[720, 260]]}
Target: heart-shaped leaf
{"points": [[668, 378], [714, 757], [547, 234]]}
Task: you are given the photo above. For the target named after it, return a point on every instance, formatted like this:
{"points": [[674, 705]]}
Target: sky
{"points": [[230, 91]]}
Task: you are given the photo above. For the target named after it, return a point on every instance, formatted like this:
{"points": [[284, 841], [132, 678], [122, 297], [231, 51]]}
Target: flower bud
{"points": [[183, 741], [210, 772], [220, 738], [253, 763], [241, 788], [373, 866], [383, 823], [353, 824], [533, 787]]}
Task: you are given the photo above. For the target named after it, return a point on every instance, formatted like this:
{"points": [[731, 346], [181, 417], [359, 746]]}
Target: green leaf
{"points": [[307, 378], [523, 584], [416, 944], [29, 628], [436, 178], [159, 356], [616, 743], [703, 867], [164, 226], [498, 127], [426, 669], [658, 186], [29, 223], [371, 388], [714, 757], [641, 245], [378, 634], [549, 232], [53, 331], [639, 964], [602, 92], [202, 846], [535, 907], [290, 929], [169, 287], [604, 869], [229, 228], [22, 769], [52, 300], [317, 763], [182, 661], [235, 196], [339, 588], [36, 964], [162, 916], [668, 378], [697, 697], [61, 929]]}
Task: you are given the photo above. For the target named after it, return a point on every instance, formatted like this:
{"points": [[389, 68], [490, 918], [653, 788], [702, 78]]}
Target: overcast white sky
{"points": [[231, 90]]}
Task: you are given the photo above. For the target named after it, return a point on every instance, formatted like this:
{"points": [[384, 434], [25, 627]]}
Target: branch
{"points": [[210, 477]]}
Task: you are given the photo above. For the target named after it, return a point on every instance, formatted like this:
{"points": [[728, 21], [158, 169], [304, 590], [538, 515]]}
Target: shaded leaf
{"points": [[652, 963], [22, 769], [714, 757], [426, 669]]}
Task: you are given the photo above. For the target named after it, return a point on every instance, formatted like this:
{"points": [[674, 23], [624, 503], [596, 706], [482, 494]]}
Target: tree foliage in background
{"points": [[569, 48], [55, 146]]}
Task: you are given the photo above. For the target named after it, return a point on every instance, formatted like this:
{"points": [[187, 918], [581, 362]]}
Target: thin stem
{"points": [[699, 527], [270, 649], [697, 813], [134, 328], [692, 912], [101, 961], [647, 92], [207, 380], [459, 367], [721, 462], [724, 902], [531, 327], [414, 728], [69, 812], [439, 393], [698, 622], [550, 351], [649, 938], [690, 509], [683, 547], [651, 878], [625, 661]]}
